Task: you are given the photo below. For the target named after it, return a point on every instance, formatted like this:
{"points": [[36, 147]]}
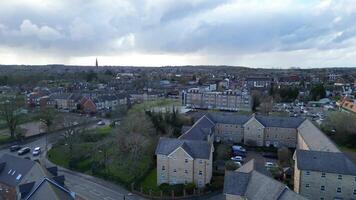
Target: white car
{"points": [[237, 158], [36, 151], [101, 123], [269, 164]]}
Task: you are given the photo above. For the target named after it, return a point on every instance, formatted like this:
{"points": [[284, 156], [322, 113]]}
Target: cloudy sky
{"points": [[255, 33]]}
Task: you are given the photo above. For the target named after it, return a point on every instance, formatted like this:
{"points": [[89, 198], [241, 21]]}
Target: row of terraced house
{"points": [[321, 171]]}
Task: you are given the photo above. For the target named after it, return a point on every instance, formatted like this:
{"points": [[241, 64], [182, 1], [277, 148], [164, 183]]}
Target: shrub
{"points": [[231, 165], [189, 188]]}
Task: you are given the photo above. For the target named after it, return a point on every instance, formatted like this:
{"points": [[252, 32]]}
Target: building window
{"points": [[338, 190], [339, 177], [186, 160], [307, 172], [354, 191], [323, 175], [174, 170], [163, 168], [200, 173], [322, 188], [321, 198], [200, 161], [307, 185], [186, 171]]}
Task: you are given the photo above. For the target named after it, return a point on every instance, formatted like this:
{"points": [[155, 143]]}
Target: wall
{"points": [[330, 182], [277, 137], [253, 131]]}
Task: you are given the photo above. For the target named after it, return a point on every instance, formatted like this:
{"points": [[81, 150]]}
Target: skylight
{"points": [[18, 177]]}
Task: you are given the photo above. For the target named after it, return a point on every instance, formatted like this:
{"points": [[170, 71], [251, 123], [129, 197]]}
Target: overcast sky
{"points": [[254, 33]]}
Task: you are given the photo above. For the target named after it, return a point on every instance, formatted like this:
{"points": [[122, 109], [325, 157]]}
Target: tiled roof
{"points": [[196, 149], [329, 162]]}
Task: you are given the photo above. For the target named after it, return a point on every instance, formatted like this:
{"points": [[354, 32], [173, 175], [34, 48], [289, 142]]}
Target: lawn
{"points": [[59, 156]]}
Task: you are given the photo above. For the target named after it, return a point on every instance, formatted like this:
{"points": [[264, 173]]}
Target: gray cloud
{"points": [[197, 27]]}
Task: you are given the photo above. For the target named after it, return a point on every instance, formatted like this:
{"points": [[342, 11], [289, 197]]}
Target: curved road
{"points": [[85, 186]]}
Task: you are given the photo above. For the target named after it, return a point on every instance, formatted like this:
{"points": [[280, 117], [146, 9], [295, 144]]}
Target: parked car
{"points": [[270, 155], [237, 158], [239, 153], [269, 164], [101, 123], [36, 151], [238, 148], [15, 148], [24, 151]]}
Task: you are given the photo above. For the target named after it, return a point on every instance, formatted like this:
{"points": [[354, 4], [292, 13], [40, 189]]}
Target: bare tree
{"points": [[9, 112]]}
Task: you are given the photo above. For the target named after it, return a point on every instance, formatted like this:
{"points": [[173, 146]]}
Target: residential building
{"points": [[228, 100], [21, 178], [184, 161], [347, 104], [188, 158], [258, 82], [324, 175], [250, 182]]}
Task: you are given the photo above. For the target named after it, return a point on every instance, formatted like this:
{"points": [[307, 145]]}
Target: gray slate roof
{"points": [[315, 139], [322, 161], [223, 117], [17, 165], [49, 189], [282, 122], [200, 130], [195, 148], [256, 186]]}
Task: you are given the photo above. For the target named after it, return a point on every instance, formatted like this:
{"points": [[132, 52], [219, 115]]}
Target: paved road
{"points": [[85, 186]]}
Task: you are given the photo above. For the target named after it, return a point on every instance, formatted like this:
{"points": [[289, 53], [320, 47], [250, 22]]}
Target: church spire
{"points": [[96, 63]]}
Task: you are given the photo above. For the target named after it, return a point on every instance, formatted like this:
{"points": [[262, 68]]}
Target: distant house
{"points": [[146, 96], [258, 82], [87, 105], [65, 101], [347, 104], [227, 100]]}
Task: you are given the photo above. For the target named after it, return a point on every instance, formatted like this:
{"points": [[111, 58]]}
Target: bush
{"points": [[231, 165], [189, 188]]}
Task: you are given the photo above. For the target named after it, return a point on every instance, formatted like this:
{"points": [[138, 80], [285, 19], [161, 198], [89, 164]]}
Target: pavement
{"points": [[85, 186]]}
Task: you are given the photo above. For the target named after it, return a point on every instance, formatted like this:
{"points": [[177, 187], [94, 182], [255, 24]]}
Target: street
{"points": [[87, 187]]}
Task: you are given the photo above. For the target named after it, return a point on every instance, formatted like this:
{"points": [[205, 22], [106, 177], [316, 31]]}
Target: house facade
{"points": [[228, 100], [184, 161]]}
